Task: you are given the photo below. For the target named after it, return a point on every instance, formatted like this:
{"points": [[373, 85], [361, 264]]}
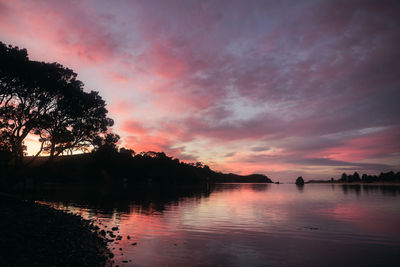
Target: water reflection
{"points": [[251, 224], [144, 199], [358, 189], [300, 187], [386, 190]]}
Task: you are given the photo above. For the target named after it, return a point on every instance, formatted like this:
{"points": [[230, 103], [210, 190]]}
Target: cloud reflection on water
{"points": [[253, 224]]}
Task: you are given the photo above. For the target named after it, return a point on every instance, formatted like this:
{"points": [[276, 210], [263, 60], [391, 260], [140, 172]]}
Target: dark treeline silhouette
{"points": [[382, 177], [365, 178], [115, 167], [46, 101]]}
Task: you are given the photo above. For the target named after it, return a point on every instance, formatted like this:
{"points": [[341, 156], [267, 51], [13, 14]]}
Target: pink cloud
{"points": [[134, 127], [118, 77], [167, 65], [120, 107], [368, 146], [68, 31]]}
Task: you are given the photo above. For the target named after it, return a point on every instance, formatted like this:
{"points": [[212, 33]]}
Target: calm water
{"points": [[254, 225]]}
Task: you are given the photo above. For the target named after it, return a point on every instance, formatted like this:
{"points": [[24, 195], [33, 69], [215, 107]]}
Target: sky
{"points": [[282, 88]]}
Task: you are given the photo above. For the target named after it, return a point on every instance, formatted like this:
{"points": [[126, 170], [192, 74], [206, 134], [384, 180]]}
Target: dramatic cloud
{"points": [[285, 88]]}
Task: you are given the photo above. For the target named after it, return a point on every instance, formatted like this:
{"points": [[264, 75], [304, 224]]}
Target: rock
{"points": [[300, 181]]}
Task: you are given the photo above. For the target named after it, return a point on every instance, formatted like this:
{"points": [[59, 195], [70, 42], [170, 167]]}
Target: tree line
{"points": [[365, 178], [390, 176]]}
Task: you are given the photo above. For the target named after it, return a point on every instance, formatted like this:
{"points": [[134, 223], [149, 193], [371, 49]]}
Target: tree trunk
{"points": [[17, 153], [52, 151]]}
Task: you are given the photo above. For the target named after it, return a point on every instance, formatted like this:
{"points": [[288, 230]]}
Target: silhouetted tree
{"points": [[76, 124], [350, 178], [22, 100], [366, 178], [106, 151], [127, 151], [356, 177], [106, 143], [199, 164], [47, 100], [5, 155]]}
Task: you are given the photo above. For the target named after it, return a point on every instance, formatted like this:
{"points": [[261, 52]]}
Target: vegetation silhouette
{"points": [[47, 101], [111, 168], [383, 177]]}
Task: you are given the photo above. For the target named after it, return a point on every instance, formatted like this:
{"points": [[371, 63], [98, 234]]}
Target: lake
{"points": [[251, 225]]}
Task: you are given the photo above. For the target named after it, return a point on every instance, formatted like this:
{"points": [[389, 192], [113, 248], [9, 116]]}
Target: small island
{"points": [[300, 181]]}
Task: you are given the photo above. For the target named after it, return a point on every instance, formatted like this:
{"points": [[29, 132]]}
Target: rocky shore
{"points": [[35, 235]]}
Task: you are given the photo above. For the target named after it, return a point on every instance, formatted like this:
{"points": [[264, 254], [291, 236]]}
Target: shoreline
{"points": [[32, 234]]}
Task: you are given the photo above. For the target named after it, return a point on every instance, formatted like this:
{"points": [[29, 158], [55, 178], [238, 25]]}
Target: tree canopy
{"points": [[47, 100]]}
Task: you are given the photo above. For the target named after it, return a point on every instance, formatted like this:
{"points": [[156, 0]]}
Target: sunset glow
{"points": [[281, 88]]}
